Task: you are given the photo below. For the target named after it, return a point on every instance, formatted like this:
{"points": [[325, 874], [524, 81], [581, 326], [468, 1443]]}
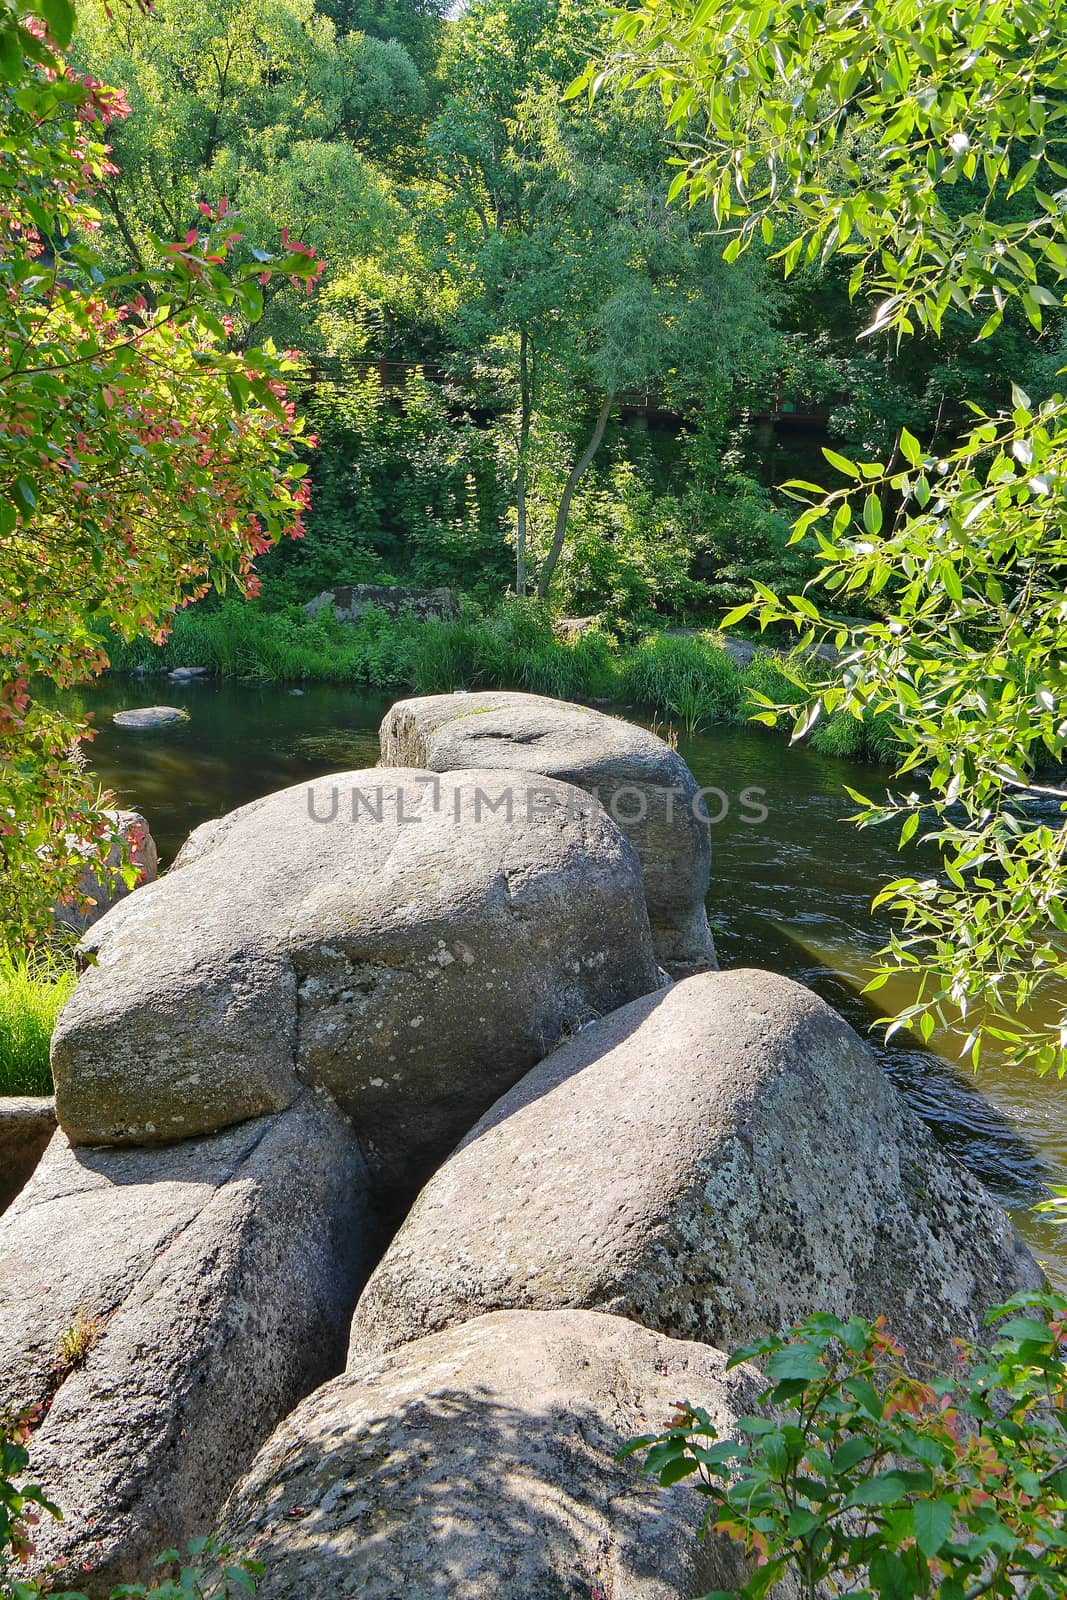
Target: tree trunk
{"points": [[525, 413], [574, 477]]}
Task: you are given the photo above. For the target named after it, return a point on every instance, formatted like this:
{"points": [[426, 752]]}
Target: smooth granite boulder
{"points": [[170, 1306], [717, 1162], [480, 1465], [27, 1122], [645, 786], [412, 943]]}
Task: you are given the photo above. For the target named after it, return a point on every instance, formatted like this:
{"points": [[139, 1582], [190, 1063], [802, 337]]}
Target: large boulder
{"points": [[169, 1307], [717, 1161], [350, 601], [645, 786], [480, 1465], [27, 1123], [413, 944]]}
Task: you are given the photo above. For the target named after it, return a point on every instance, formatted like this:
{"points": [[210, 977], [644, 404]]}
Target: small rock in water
{"points": [[296, 691], [149, 717], [183, 674]]}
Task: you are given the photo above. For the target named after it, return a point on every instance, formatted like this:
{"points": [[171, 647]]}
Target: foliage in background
{"points": [[517, 258], [406, 487], [259, 101], [855, 1476], [141, 460], [689, 681], [576, 280], [923, 146]]}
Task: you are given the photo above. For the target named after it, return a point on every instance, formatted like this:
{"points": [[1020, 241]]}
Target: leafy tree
{"points": [[579, 281], [922, 144], [257, 101], [141, 460], [417, 25]]}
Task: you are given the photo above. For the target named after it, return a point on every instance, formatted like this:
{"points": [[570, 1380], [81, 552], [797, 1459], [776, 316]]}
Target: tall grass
{"points": [[31, 994], [691, 680], [688, 681], [513, 648]]}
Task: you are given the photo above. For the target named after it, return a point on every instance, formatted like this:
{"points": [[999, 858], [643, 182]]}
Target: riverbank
{"points": [[689, 681]]}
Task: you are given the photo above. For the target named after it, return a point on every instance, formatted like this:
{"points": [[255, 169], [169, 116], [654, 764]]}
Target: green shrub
{"points": [[406, 485], [738, 536], [855, 1477], [31, 994], [629, 548], [206, 1573], [771, 681]]}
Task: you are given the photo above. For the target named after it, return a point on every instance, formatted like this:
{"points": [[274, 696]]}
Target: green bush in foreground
{"points": [[208, 1573], [858, 1478], [31, 994]]}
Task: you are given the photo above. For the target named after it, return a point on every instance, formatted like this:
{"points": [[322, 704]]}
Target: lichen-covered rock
{"points": [[716, 1161], [645, 786], [27, 1122], [480, 1465], [173, 1305], [351, 601], [413, 944]]}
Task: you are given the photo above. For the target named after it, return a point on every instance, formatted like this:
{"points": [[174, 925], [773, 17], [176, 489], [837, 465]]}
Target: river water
{"points": [[790, 891]]}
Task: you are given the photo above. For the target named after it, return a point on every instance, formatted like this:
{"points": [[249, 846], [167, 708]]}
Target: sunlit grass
{"points": [[31, 994], [688, 681]]}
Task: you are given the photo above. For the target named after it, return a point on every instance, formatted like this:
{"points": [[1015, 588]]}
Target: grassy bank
{"points": [[688, 681], [30, 998]]}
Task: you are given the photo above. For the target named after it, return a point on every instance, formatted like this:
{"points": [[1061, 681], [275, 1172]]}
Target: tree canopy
{"points": [[142, 460], [923, 144]]}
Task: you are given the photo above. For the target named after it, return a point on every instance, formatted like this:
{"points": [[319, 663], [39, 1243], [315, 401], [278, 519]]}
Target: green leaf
{"points": [[11, 65], [890, 1576], [738, 614], [882, 1490], [59, 15], [1025, 1330], [842, 463], [865, 1395], [795, 1361], [851, 1453], [25, 495], [910, 448], [951, 580], [872, 514], [933, 1524]]}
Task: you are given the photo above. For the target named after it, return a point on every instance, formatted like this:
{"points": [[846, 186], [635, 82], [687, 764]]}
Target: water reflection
{"points": [[790, 892]]}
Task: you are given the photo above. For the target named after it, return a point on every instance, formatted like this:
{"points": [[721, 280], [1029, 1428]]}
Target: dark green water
{"points": [[790, 892]]}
